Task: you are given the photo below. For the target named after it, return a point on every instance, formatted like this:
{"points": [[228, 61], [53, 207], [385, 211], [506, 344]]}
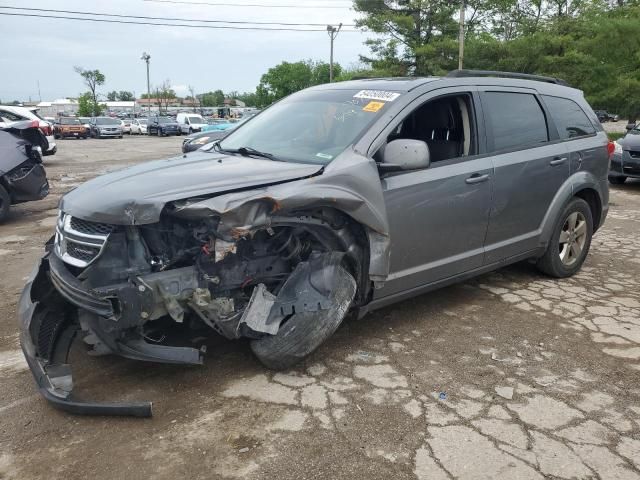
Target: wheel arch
{"points": [[583, 185]]}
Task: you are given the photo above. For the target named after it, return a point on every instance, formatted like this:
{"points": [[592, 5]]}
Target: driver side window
{"points": [[445, 123]]}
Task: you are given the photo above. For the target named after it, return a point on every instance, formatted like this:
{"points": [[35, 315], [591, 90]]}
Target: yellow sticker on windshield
{"points": [[373, 106]]}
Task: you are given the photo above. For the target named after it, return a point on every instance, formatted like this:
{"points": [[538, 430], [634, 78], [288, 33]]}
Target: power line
{"points": [[254, 5], [131, 22], [113, 15]]}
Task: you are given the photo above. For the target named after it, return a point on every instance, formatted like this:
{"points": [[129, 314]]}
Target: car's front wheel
{"points": [[304, 331], [570, 241], [617, 180]]}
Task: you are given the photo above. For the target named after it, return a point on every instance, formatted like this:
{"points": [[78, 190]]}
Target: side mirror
{"points": [[407, 154], [630, 126]]}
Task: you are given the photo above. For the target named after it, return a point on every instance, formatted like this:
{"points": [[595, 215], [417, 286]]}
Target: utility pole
{"points": [[333, 33], [146, 57], [461, 35]]}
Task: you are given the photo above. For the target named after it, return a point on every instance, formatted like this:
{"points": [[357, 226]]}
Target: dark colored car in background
{"points": [[69, 127], [105, 127], [604, 116], [344, 197], [195, 141], [22, 176], [625, 162], [162, 126]]}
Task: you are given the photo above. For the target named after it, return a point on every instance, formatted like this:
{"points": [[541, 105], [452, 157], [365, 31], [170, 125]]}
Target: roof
{"points": [[397, 84]]}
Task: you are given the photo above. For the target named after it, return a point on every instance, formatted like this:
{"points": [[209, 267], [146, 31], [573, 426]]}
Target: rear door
{"points": [[575, 128], [530, 165]]}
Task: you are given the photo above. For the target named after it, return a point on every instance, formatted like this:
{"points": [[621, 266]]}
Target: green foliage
{"points": [[92, 79], [212, 99], [87, 107], [593, 44], [287, 78]]}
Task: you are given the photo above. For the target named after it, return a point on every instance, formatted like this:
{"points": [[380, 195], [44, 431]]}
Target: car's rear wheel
{"points": [[570, 241], [5, 204], [617, 180]]}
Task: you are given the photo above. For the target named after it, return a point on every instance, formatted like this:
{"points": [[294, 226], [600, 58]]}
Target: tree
{"points": [[287, 78], [112, 96], [212, 99], [87, 107], [420, 35], [92, 79], [193, 96], [164, 95], [125, 96]]}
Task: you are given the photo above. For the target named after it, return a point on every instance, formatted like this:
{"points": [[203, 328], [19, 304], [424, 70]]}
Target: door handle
{"points": [[477, 178], [557, 161]]}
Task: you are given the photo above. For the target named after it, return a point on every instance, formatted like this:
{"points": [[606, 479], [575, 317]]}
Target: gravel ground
{"points": [[510, 375]]}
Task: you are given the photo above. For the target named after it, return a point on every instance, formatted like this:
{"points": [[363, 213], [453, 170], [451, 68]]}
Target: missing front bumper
{"points": [[46, 342]]}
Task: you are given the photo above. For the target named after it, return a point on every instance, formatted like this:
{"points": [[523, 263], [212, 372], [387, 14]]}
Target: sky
{"points": [[46, 50]]}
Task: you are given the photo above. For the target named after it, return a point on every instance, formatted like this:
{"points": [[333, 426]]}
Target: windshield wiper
{"points": [[246, 151]]}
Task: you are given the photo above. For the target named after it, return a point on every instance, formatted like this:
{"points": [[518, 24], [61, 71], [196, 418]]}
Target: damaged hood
{"points": [[137, 195]]}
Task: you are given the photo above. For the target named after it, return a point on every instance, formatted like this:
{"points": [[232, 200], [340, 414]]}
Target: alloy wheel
{"points": [[573, 237]]}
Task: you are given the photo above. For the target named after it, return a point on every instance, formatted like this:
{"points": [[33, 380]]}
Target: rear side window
{"points": [[569, 117], [516, 120]]}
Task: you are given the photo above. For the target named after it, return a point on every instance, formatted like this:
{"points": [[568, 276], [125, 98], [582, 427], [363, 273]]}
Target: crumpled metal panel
{"points": [[351, 184]]}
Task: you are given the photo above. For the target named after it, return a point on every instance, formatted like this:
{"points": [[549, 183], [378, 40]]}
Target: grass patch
{"points": [[615, 135]]}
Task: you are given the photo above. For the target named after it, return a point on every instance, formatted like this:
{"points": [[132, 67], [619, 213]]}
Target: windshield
{"points": [[196, 119], [84, 119], [107, 121], [635, 130], [165, 120], [142, 121], [69, 121], [312, 126]]}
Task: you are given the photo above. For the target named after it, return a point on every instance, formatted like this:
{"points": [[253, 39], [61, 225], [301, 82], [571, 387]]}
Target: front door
{"points": [[438, 216]]}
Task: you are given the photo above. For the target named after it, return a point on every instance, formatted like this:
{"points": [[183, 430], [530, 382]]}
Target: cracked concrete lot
{"points": [[508, 376]]}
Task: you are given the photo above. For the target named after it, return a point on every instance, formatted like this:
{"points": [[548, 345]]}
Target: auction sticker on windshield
{"points": [[377, 95], [373, 106]]}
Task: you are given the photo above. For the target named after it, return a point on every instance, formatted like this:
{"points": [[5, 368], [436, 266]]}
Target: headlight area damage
{"points": [[240, 265]]}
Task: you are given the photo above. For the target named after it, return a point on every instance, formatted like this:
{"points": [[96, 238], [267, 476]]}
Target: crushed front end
{"points": [[125, 289]]}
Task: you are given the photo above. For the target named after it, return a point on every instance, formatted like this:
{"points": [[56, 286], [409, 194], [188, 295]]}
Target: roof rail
{"points": [[491, 73]]}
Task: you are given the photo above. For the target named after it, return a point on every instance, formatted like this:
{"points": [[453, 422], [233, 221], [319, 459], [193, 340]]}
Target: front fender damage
{"points": [[354, 189], [276, 264]]}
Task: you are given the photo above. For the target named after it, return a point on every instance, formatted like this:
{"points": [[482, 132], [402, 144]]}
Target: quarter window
{"points": [[516, 119], [569, 117]]}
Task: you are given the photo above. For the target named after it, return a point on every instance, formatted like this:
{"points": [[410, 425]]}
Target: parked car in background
{"points": [[105, 127], [126, 125], [69, 127], [344, 197], [86, 123], [139, 126], [10, 113], [197, 140], [190, 123], [605, 116], [625, 162], [218, 125], [22, 176], [162, 126]]}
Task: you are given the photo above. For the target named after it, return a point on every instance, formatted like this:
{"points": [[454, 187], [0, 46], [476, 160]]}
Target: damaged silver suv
{"points": [[340, 198]]}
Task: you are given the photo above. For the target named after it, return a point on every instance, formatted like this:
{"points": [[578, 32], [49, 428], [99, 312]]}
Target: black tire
{"points": [[5, 204], [56, 136], [617, 180], [550, 262], [303, 332]]}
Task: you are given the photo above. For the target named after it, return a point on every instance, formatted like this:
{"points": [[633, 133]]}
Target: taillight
{"points": [[46, 130], [610, 149]]}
